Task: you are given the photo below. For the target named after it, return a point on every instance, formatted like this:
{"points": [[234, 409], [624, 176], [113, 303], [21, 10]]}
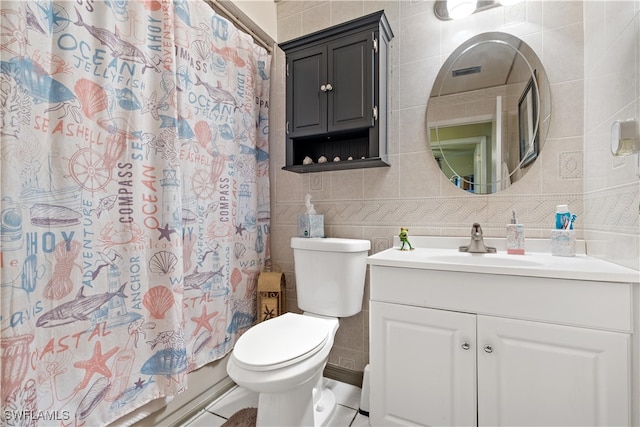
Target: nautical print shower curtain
{"points": [[135, 201]]}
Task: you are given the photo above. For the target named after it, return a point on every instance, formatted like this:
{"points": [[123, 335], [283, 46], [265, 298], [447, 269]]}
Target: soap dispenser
{"points": [[515, 236]]}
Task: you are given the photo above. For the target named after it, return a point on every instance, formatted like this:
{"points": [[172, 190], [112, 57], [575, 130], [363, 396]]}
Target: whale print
{"points": [[218, 94], [119, 47]]}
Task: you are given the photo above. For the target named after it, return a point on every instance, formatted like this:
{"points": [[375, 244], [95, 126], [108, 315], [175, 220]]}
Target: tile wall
{"points": [[612, 92], [373, 203]]}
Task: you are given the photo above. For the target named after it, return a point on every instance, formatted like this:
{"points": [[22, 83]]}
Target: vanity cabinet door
{"points": [[423, 366], [532, 373]]}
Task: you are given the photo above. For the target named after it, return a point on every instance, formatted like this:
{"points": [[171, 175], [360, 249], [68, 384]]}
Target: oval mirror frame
{"points": [[491, 81]]}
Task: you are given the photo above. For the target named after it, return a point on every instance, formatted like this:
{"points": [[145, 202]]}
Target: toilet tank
{"points": [[330, 274]]}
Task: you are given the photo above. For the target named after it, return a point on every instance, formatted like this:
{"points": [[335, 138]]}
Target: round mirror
{"points": [[489, 113]]}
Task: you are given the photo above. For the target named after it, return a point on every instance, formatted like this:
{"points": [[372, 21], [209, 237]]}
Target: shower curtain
{"points": [[135, 201]]}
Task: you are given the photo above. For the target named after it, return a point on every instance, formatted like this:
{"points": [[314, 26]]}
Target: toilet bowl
{"points": [[283, 358]]}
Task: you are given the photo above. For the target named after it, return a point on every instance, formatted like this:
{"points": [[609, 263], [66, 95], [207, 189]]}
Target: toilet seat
{"points": [[281, 341]]}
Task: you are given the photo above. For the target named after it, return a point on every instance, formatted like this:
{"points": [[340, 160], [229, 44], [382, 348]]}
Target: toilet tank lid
{"points": [[330, 244]]}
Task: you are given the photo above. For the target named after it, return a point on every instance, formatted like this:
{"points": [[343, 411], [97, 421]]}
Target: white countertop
{"points": [[441, 253]]}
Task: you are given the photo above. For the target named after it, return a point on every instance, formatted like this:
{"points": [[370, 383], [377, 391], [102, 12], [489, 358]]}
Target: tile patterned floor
{"points": [[346, 415]]}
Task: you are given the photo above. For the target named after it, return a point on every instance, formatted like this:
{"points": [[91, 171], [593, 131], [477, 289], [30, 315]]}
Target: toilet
{"points": [[283, 358]]}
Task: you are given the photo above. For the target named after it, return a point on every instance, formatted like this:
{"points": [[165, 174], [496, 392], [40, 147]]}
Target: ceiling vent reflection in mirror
{"points": [[447, 10]]}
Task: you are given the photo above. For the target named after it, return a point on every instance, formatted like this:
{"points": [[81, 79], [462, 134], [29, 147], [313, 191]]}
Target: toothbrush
{"points": [[569, 223]]}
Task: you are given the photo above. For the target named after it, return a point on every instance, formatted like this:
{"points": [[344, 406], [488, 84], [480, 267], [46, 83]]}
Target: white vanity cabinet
{"points": [[462, 348], [423, 365]]}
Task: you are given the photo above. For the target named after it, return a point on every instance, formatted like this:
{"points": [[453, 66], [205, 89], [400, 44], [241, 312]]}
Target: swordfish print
{"points": [[119, 47], [80, 308]]}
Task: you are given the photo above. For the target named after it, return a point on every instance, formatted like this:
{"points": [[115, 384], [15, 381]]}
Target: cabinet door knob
{"points": [[488, 348], [465, 346], [329, 87], [323, 88]]}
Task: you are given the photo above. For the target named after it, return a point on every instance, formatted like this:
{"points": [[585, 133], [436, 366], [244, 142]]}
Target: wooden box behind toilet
{"points": [[271, 288]]}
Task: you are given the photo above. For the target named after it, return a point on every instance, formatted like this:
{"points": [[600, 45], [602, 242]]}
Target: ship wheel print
{"points": [[202, 185], [88, 170], [92, 170], [13, 33]]}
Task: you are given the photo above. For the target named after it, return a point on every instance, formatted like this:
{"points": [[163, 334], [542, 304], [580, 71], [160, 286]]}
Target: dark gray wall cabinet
{"points": [[336, 83]]}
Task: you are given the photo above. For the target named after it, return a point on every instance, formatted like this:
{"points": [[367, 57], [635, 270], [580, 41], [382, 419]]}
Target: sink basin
{"points": [[485, 260]]}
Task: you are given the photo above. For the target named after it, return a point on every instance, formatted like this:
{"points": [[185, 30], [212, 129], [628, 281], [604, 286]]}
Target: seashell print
{"points": [[239, 250], [236, 278], [163, 262], [92, 97], [203, 133], [200, 342], [46, 215], [201, 49], [158, 300], [94, 396]]}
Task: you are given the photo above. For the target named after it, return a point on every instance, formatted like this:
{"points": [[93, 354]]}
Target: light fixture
{"points": [[459, 9], [447, 10], [509, 2]]}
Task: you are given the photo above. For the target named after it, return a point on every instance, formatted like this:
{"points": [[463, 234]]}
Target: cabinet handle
{"points": [[465, 346], [329, 87], [488, 348], [323, 88]]}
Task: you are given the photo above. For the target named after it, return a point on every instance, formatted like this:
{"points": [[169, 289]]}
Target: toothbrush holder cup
{"points": [[563, 242]]}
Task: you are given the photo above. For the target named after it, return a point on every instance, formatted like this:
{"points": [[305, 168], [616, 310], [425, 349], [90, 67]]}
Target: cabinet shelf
{"points": [[373, 162]]}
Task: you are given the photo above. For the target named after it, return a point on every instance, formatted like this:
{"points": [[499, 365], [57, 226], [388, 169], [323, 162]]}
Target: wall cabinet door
{"points": [[331, 86], [541, 374], [351, 75], [422, 366], [306, 102]]}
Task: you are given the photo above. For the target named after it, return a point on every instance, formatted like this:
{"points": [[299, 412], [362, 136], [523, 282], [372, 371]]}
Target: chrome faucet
{"points": [[477, 245]]}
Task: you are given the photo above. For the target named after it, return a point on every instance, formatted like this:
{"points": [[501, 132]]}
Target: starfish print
{"points": [[165, 232], [97, 364], [139, 383], [268, 313], [151, 105], [203, 321], [239, 229]]}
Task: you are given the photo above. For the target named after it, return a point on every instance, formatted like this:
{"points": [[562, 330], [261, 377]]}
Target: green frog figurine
{"points": [[404, 238]]}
